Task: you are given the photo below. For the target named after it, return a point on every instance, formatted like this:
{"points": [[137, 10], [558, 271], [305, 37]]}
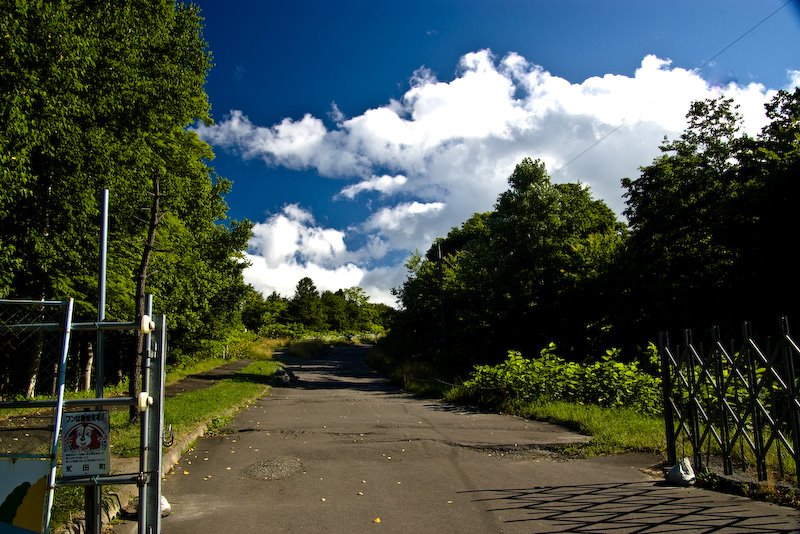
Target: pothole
{"points": [[273, 468]]}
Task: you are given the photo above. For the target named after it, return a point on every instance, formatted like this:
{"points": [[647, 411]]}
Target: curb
{"points": [[122, 495], [120, 498], [168, 461]]}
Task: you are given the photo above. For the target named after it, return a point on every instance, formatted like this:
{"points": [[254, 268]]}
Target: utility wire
{"points": [[695, 70], [762, 21]]}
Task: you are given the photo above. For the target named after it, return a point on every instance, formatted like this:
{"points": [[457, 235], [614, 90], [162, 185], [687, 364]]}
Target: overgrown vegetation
{"points": [[100, 97], [615, 403], [607, 383]]}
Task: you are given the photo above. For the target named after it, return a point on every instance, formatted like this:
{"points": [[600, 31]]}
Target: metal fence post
{"points": [[727, 446], [666, 386], [694, 422], [789, 352]]}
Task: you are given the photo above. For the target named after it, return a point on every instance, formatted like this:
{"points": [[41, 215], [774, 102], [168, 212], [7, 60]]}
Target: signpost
{"points": [[85, 449]]}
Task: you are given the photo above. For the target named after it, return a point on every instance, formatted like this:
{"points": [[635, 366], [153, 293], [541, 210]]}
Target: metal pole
{"points": [[694, 416], [156, 435], [666, 384], [101, 305], [59, 410], [93, 494], [144, 418], [727, 446], [789, 352]]}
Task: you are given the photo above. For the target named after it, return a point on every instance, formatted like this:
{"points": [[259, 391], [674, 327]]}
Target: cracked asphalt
{"points": [[343, 451]]}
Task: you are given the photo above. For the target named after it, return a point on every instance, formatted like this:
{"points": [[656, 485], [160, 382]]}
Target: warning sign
{"points": [[84, 440]]}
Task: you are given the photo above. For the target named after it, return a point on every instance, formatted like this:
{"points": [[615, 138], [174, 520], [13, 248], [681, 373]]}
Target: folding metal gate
{"points": [[735, 403]]}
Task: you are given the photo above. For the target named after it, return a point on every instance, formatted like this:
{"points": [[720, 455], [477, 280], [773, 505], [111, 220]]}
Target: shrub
{"points": [[607, 382]]}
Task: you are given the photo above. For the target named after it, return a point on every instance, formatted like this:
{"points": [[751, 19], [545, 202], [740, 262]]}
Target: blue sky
{"points": [[357, 131]]}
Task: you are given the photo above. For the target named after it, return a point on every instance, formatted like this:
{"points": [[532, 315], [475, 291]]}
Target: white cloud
{"points": [[384, 184], [406, 226], [794, 79], [446, 148], [283, 278], [291, 236], [289, 246]]}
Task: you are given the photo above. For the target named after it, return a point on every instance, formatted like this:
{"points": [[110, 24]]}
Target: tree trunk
{"points": [[86, 366], [141, 282]]}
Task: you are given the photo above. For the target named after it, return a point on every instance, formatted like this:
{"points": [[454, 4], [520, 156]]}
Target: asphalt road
{"points": [[343, 451]]}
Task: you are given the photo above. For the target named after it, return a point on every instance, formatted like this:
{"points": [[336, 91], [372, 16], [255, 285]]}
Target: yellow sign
{"points": [[23, 485]]}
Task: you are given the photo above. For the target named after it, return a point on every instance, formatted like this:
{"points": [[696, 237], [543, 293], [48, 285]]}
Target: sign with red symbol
{"points": [[84, 440]]}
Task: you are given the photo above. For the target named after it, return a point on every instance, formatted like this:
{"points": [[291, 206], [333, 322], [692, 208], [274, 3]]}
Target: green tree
{"points": [[335, 311], [306, 306], [519, 277], [685, 232], [100, 96], [709, 220], [552, 242], [769, 175]]}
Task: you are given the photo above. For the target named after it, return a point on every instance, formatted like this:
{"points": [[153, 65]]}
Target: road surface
{"points": [[342, 451]]}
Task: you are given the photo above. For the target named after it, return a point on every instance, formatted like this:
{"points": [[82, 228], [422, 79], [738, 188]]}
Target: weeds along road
{"points": [[342, 451]]}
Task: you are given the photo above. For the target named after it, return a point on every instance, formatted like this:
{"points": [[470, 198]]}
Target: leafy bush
{"points": [[607, 382], [277, 330]]}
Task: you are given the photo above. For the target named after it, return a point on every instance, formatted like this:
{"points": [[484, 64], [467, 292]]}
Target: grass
{"points": [[212, 406], [613, 430]]}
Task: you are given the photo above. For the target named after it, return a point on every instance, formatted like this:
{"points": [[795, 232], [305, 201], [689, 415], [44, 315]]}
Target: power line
{"points": [[695, 70], [762, 21]]}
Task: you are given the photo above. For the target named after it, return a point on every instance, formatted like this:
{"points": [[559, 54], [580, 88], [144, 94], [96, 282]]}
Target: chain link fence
{"points": [[31, 336]]}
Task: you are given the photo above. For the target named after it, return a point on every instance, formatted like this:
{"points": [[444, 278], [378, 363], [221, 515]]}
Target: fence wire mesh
{"points": [[30, 346], [31, 342]]}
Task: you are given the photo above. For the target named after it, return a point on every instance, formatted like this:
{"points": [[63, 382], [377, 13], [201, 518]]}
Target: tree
{"points": [[335, 311], [552, 241], [306, 306], [524, 275], [100, 96], [769, 174], [709, 220], [685, 231]]}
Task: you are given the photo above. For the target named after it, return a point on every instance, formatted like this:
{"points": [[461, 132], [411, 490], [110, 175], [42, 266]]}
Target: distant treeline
{"points": [[711, 227], [346, 311]]}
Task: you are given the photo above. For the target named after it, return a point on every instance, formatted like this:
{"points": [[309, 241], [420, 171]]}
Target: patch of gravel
{"points": [[273, 468]]}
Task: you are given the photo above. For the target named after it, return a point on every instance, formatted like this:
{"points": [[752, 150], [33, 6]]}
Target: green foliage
{"points": [[704, 245], [346, 312], [528, 272], [101, 96], [607, 382], [708, 220]]}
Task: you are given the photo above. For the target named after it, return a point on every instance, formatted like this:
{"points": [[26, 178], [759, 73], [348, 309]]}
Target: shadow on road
{"points": [[629, 507], [337, 368]]}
